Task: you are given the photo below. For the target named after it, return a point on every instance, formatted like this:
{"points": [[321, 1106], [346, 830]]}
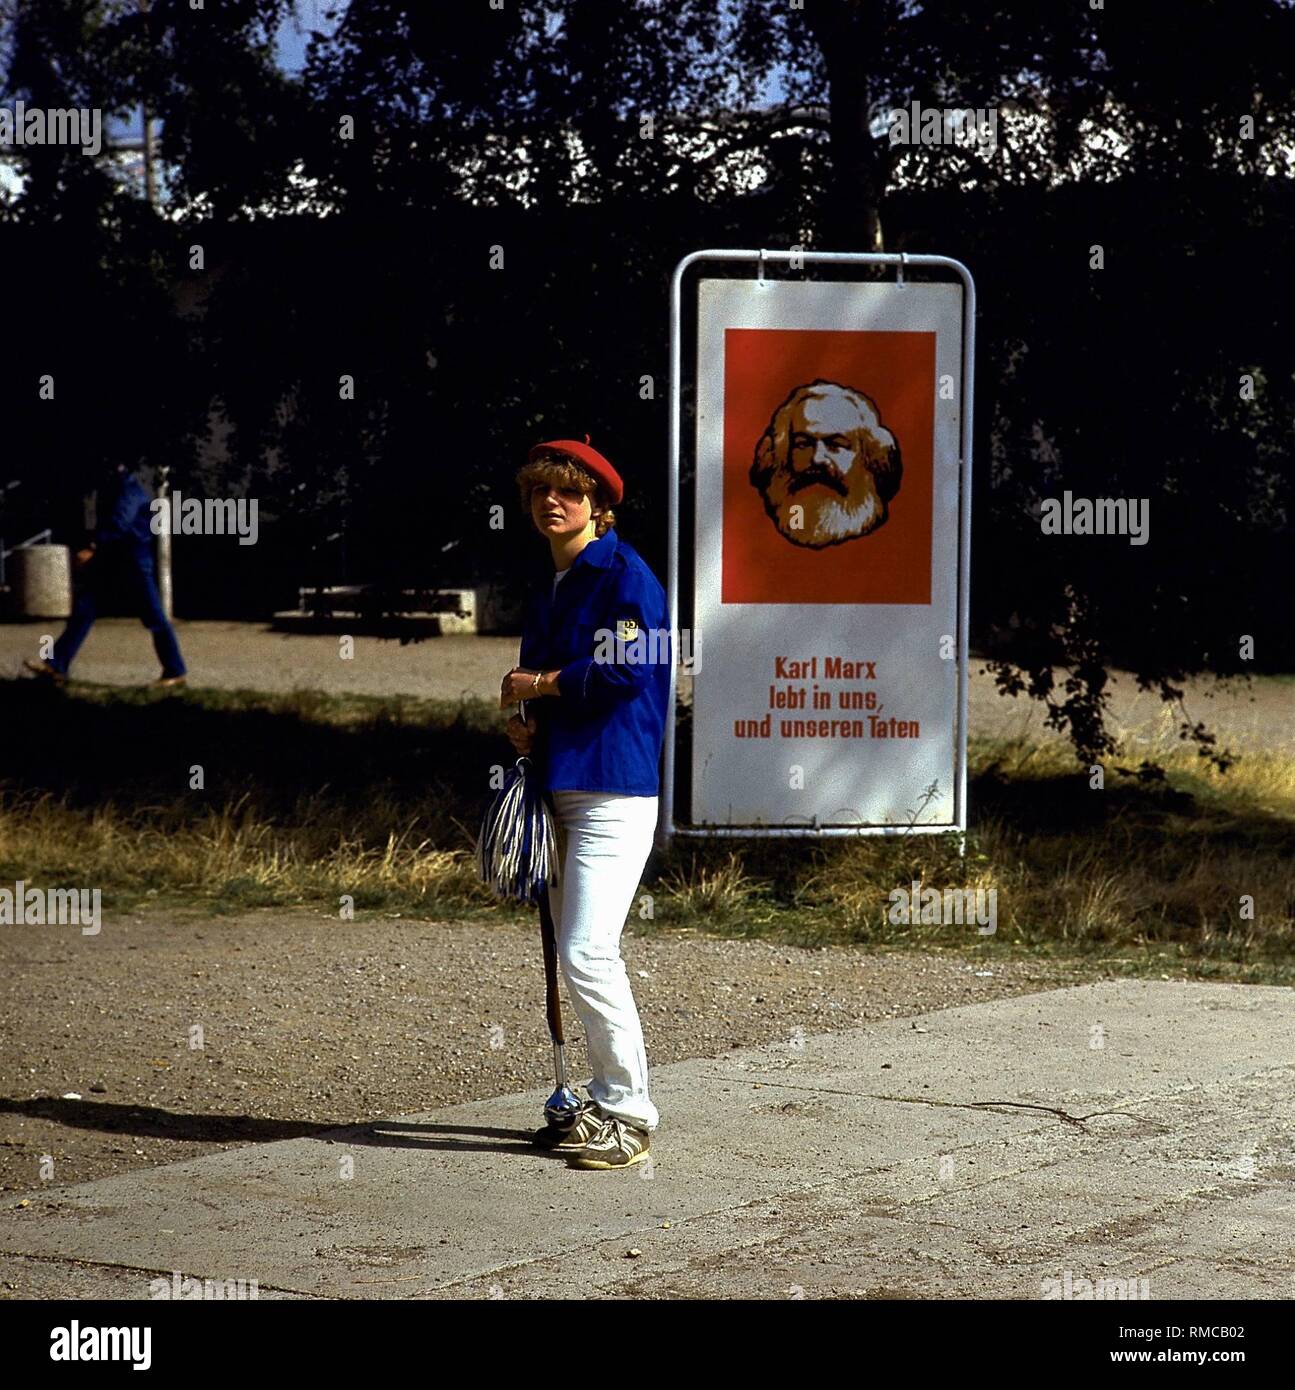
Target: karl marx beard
{"points": [[826, 451]]}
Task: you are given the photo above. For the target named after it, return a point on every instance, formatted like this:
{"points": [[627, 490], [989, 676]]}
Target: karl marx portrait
{"points": [[827, 453]]}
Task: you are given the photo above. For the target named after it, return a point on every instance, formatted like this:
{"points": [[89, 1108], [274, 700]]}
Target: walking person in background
{"points": [[596, 696], [117, 555]]}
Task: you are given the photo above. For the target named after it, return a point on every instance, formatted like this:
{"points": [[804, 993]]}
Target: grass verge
{"points": [[241, 799]]}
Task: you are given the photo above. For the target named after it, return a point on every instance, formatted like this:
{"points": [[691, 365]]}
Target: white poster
{"points": [[826, 600]]}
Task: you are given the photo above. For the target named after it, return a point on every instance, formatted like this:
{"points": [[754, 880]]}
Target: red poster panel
{"points": [[828, 444]]}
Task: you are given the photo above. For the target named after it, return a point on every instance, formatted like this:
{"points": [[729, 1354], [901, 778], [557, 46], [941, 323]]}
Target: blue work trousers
{"points": [[135, 574]]}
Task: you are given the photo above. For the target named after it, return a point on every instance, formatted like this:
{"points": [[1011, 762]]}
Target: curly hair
{"points": [[874, 445], [562, 471]]}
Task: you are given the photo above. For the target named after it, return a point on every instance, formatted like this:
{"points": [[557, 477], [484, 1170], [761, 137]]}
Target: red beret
{"points": [[588, 457]]}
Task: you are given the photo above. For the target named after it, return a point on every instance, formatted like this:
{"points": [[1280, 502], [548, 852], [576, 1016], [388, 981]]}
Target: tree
{"points": [[477, 222]]}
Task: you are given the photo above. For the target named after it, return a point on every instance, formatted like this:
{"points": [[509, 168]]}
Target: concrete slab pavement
{"points": [[1126, 1131]]}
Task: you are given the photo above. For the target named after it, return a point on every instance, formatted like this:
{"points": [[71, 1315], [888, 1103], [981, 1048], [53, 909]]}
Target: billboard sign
{"points": [[830, 566]]}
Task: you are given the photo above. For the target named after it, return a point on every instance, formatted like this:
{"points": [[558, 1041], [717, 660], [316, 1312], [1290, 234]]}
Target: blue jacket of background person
{"points": [[128, 523], [604, 730]]}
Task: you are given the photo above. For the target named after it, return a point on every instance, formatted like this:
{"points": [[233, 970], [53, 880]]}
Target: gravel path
{"points": [[231, 655], [307, 1022]]}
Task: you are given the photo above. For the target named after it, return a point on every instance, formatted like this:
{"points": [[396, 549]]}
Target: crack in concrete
{"points": [[677, 1224], [74, 1262], [1063, 1115]]}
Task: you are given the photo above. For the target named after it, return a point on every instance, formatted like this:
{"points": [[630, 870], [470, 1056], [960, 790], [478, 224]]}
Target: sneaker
{"points": [[573, 1135], [616, 1145], [43, 668], [165, 682]]}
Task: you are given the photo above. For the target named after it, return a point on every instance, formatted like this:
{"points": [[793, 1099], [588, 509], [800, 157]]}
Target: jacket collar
{"points": [[599, 552]]}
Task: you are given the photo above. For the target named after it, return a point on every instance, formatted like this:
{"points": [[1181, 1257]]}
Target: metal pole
{"points": [[150, 184], [665, 814], [964, 541], [666, 827], [164, 541]]}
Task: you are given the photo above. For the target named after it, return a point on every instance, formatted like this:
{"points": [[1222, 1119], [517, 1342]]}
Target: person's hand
{"points": [[520, 735], [83, 557], [518, 684]]}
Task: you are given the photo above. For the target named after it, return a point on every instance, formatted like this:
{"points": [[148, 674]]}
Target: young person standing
{"points": [[594, 670]]}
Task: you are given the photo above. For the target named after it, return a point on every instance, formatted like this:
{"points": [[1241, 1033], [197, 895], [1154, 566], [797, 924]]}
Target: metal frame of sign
{"points": [[666, 826]]}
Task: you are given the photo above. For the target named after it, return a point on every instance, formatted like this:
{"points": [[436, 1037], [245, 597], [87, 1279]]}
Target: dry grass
{"points": [[234, 855], [312, 799]]}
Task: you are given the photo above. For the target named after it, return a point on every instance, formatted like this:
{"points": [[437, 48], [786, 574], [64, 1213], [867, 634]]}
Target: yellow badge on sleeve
{"points": [[626, 629]]}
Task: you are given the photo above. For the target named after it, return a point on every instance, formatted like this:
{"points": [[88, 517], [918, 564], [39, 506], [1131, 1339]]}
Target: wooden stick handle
{"points": [[549, 939]]}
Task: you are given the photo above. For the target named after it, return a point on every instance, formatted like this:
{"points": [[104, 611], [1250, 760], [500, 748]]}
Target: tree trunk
{"points": [[846, 34]]}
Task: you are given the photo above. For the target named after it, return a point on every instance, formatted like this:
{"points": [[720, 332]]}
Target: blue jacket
{"points": [[129, 519], [606, 632]]}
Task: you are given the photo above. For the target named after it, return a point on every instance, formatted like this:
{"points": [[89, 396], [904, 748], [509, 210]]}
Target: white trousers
{"points": [[607, 841]]}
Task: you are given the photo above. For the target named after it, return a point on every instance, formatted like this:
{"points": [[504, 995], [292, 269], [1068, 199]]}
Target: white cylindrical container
{"points": [[41, 580]]}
